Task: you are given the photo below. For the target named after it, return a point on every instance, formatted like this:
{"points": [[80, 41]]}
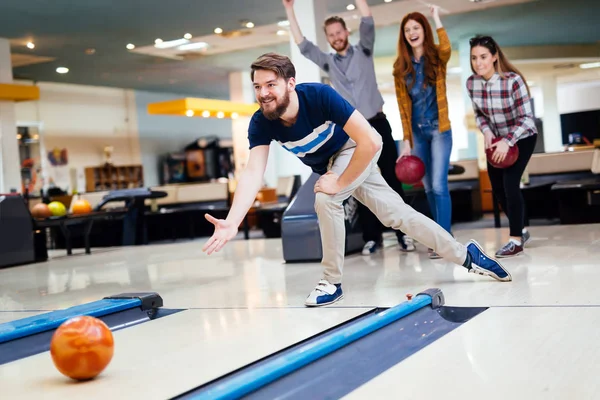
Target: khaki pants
{"points": [[371, 190]]}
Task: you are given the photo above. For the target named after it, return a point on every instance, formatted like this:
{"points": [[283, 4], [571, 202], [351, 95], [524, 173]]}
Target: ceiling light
{"points": [[187, 36], [158, 41], [220, 114], [189, 113], [30, 45], [387, 1], [234, 115], [284, 23], [62, 70], [90, 51], [281, 32], [130, 46], [206, 114], [170, 43], [590, 65], [350, 7], [249, 25], [193, 46], [218, 31]]}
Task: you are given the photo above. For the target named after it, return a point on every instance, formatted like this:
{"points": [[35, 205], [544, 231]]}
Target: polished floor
{"points": [[245, 303]]}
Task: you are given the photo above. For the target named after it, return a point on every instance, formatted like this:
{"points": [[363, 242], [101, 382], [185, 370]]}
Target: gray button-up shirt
{"points": [[352, 75]]}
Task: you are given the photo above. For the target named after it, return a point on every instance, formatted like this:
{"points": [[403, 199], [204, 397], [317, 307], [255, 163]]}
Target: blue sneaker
{"points": [[323, 294], [483, 264]]}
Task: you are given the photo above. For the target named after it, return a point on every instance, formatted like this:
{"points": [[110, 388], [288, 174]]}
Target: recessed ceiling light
{"points": [[350, 7], [189, 113], [187, 36], [30, 45], [90, 51], [206, 113], [218, 31], [249, 24], [62, 70], [284, 23], [130, 46], [590, 65], [281, 32], [387, 1], [158, 41], [234, 115], [220, 114]]}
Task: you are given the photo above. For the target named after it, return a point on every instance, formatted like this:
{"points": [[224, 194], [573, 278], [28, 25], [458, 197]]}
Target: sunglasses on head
{"points": [[481, 40]]}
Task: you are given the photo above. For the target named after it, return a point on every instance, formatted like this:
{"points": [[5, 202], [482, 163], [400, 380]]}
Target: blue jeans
{"points": [[434, 148]]}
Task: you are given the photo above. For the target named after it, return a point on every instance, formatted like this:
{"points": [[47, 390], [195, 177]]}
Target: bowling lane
{"points": [[165, 357], [503, 353]]}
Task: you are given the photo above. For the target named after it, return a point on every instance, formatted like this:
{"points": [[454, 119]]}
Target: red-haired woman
{"points": [[420, 80], [502, 106]]}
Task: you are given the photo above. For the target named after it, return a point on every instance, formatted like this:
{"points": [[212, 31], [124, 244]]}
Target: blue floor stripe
{"points": [[255, 378], [51, 320]]}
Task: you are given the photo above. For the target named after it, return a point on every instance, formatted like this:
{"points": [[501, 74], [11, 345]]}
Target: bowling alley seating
{"points": [[554, 178], [579, 199], [17, 240]]}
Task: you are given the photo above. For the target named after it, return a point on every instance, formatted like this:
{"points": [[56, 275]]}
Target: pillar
{"points": [[551, 121], [10, 171]]}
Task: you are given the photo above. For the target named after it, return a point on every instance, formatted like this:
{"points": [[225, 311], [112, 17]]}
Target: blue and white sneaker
{"points": [[483, 264], [323, 294], [369, 248]]}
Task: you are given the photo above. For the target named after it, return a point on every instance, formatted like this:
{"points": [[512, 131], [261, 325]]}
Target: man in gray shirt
{"points": [[352, 74]]}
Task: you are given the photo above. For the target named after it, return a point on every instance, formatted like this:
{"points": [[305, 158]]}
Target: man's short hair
{"points": [[280, 64], [334, 20]]}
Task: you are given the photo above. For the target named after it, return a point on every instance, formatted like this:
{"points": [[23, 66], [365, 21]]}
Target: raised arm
{"points": [[307, 48], [445, 47], [367, 26], [245, 194], [363, 7], [291, 16]]}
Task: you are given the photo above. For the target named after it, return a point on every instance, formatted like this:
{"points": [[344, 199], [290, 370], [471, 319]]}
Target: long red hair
{"points": [[403, 64]]}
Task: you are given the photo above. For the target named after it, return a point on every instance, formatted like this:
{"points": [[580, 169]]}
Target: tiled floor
{"points": [[240, 286]]}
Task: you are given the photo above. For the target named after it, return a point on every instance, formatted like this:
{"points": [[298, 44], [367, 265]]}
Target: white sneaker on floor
{"points": [[369, 248], [323, 294], [406, 244]]}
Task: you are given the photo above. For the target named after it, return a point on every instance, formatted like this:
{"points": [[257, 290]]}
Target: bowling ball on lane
{"points": [[82, 347]]}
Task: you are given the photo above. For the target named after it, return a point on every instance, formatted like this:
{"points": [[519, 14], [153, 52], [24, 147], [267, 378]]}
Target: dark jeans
{"points": [[371, 226], [506, 185]]}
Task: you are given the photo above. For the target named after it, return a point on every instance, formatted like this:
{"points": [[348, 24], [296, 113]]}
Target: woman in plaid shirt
{"points": [[502, 106]]}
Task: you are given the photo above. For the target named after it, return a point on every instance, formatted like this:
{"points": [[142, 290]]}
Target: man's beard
{"points": [[279, 110], [342, 47]]}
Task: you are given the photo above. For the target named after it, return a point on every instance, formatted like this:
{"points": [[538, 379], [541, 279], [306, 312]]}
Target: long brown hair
{"points": [[501, 65], [403, 64]]}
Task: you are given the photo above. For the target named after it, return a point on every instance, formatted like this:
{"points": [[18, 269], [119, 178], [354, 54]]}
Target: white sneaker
{"points": [[406, 244], [369, 248], [323, 294]]}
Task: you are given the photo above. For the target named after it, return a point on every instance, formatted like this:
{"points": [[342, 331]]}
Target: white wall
{"points": [[83, 120], [581, 96]]}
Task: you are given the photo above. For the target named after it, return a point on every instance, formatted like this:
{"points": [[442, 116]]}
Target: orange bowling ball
{"points": [[82, 347], [81, 206]]}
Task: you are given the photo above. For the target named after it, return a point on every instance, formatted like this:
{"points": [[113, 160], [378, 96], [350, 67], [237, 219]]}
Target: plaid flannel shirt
{"points": [[502, 106]]}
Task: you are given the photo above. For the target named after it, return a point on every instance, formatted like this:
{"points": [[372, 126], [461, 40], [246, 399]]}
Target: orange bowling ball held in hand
{"points": [[82, 347]]}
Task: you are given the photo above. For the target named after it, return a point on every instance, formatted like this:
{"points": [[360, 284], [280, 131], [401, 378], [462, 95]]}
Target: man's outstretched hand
{"points": [[224, 232]]}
